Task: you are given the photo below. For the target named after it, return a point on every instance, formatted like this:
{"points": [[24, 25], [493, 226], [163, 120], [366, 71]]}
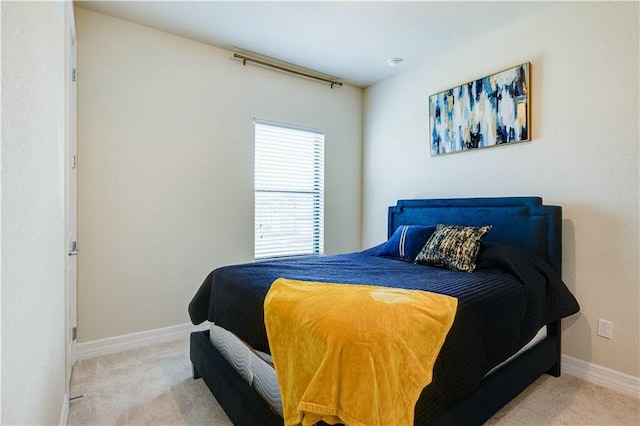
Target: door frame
{"points": [[70, 192]]}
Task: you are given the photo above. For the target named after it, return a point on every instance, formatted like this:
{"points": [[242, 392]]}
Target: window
{"points": [[289, 190]]}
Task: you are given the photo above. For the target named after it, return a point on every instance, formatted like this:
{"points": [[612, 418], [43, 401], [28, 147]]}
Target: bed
{"points": [[462, 391]]}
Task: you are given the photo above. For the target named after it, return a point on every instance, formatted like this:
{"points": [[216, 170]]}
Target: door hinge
{"points": [[73, 74], [74, 162], [74, 248], [74, 333]]}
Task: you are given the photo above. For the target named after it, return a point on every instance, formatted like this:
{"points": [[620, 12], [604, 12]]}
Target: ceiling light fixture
{"points": [[393, 62]]}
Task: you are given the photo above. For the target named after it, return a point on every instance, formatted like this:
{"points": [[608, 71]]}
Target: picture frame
{"points": [[490, 111]]}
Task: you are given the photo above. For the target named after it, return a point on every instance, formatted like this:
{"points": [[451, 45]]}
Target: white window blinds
{"points": [[289, 190]]}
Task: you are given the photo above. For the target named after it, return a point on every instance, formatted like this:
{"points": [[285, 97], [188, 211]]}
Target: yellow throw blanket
{"points": [[353, 354]]}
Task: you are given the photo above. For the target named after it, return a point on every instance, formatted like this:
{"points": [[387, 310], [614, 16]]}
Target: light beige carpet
{"points": [[153, 386]]}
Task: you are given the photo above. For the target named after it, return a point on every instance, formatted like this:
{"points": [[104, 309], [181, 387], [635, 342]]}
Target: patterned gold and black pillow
{"points": [[453, 246]]}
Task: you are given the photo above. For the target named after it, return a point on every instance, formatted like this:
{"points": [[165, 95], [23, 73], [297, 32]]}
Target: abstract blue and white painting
{"points": [[491, 111]]}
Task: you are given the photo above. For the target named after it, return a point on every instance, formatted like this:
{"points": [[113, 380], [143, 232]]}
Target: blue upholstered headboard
{"points": [[519, 221]]}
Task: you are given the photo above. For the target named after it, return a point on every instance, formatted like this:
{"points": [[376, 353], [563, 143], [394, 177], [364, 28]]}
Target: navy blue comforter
{"points": [[501, 305]]}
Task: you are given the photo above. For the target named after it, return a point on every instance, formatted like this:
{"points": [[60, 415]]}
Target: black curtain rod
{"points": [[281, 68]]}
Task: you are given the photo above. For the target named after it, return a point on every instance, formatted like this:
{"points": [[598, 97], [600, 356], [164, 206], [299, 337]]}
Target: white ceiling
{"points": [[348, 40]]}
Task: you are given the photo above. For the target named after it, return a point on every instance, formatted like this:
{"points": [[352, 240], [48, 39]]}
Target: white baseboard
{"points": [[111, 345], [587, 371], [602, 376], [64, 417]]}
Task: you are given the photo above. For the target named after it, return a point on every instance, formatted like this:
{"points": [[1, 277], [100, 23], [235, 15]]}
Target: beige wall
{"points": [[33, 293], [166, 168], [584, 155]]}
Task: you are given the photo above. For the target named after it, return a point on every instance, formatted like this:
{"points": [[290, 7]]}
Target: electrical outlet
{"points": [[605, 328]]}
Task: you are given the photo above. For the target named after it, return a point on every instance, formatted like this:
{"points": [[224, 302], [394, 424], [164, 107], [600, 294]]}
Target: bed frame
{"points": [[520, 221]]}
